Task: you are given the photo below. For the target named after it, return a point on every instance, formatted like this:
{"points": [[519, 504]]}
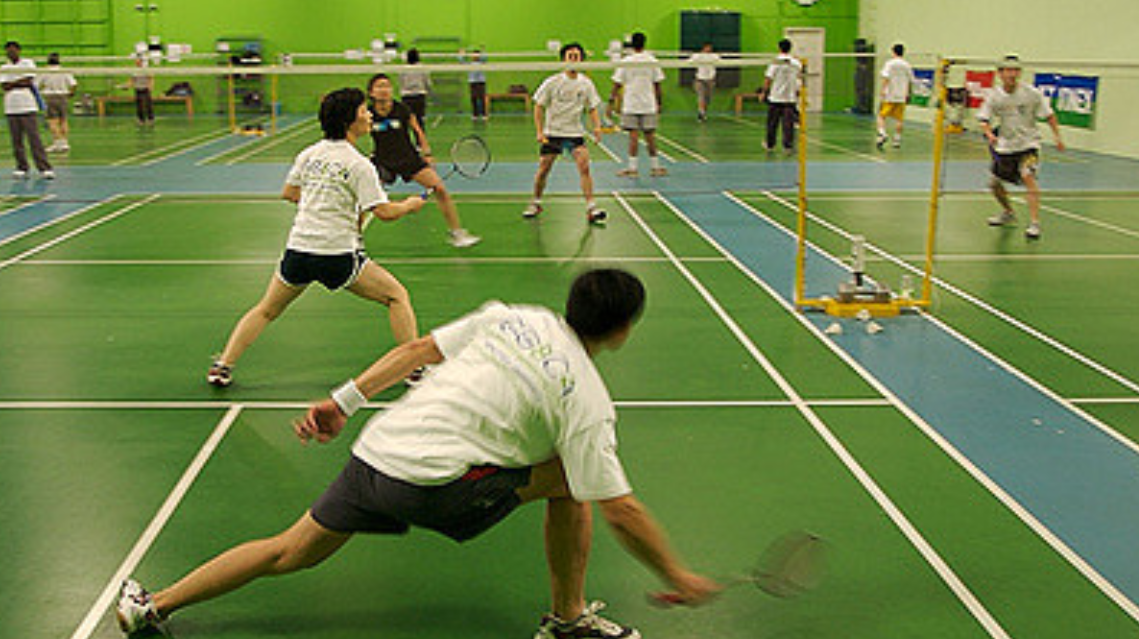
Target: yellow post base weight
{"points": [[836, 308]]}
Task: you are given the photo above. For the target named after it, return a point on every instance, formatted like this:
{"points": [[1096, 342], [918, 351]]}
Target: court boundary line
{"points": [[251, 142], [427, 261], [1104, 400], [1031, 521], [825, 145], [46, 198], [168, 149], [62, 218], [948, 576], [59, 239], [601, 143], [1083, 219], [157, 523], [1022, 257], [961, 293], [248, 405], [683, 149], [255, 149]]}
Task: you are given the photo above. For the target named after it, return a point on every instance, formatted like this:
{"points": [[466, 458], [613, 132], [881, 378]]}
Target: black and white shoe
{"points": [[220, 375], [135, 609], [589, 625]]}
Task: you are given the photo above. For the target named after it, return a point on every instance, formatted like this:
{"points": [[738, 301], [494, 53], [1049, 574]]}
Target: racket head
{"points": [[470, 156], [794, 564]]}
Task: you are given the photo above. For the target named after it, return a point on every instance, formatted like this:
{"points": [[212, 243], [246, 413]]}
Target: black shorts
{"points": [[333, 271], [403, 168], [1012, 167], [557, 146], [363, 499]]}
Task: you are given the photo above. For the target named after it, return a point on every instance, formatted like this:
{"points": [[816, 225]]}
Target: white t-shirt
{"points": [[1016, 114], [56, 83], [900, 76], [414, 83], [516, 388], [784, 74], [337, 182], [705, 61], [639, 84], [19, 101], [565, 99]]}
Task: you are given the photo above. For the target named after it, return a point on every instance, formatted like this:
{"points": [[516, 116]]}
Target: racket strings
{"points": [[470, 156]]}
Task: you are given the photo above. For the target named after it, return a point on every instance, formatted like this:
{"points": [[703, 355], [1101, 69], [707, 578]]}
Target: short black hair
{"points": [[412, 56], [899, 49], [572, 45], [376, 78], [338, 111], [785, 45], [11, 43], [53, 58], [602, 301], [638, 40]]}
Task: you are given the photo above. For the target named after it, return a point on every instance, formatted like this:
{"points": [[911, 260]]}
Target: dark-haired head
{"points": [[338, 110], [566, 48], [413, 56], [53, 58], [604, 302], [785, 45], [899, 49], [638, 41]]}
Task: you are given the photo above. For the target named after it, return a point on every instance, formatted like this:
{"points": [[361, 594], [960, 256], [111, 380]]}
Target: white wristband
{"points": [[349, 398]]}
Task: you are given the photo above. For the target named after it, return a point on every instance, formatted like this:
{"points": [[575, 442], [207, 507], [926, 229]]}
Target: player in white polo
{"points": [[514, 412], [1014, 109], [639, 89], [781, 90], [336, 189], [18, 77], [897, 80], [56, 88], [704, 81], [558, 106]]}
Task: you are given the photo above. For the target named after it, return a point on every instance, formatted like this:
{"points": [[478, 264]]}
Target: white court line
{"points": [[989, 308], [252, 142], [683, 149], [173, 148], [299, 405], [220, 135], [425, 261], [91, 620], [641, 141], [980, 476], [947, 575], [810, 140], [1026, 257], [1104, 400], [57, 220], [25, 204], [608, 151], [82, 229], [1086, 220], [278, 139]]}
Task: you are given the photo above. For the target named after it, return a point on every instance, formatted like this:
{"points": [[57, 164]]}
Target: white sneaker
{"points": [[19, 175], [1033, 231], [48, 174], [596, 216], [627, 172], [897, 143], [588, 625], [658, 171], [461, 238], [532, 210], [135, 609], [880, 141], [1002, 218]]}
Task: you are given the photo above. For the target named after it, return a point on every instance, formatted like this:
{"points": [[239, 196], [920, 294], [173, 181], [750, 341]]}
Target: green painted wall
{"points": [[1054, 31], [336, 25]]}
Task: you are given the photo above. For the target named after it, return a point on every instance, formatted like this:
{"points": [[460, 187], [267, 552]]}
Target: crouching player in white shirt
{"points": [[515, 412]]}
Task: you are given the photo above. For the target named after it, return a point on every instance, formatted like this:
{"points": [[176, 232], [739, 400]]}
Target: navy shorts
{"points": [[298, 268], [557, 146], [1012, 167], [363, 499], [402, 168]]}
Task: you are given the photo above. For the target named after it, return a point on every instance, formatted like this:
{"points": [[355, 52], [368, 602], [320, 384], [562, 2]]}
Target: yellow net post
{"points": [[801, 254], [231, 101], [941, 94], [274, 104]]}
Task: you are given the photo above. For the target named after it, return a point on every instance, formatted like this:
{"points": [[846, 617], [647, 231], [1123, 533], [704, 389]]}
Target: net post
{"points": [[274, 103], [801, 249], [941, 94], [231, 100]]}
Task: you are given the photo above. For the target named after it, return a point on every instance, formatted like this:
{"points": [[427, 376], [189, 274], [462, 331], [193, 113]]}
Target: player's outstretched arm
{"points": [[595, 123], [391, 211], [643, 537], [420, 136], [1055, 125], [539, 122]]}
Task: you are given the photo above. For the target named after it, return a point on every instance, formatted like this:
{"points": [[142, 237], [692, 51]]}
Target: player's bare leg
{"points": [[377, 284]]}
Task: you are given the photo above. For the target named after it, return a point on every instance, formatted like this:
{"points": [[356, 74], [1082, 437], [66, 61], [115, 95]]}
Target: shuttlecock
{"points": [[863, 315], [873, 328], [834, 329]]}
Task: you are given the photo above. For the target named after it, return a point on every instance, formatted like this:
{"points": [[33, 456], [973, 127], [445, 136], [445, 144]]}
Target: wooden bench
{"points": [[102, 101], [525, 97], [740, 97]]}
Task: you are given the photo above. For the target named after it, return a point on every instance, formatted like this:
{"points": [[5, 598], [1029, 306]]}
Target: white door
{"points": [[809, 44]]}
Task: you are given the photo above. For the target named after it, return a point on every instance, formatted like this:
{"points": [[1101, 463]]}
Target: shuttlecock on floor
{"points": [[873, 328], [834, 329]]}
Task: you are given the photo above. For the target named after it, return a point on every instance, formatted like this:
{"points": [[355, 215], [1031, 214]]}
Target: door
{"points": [[809, 44]]}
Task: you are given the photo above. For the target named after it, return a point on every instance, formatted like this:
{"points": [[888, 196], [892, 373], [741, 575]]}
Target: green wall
{"points": [[298, 25]]}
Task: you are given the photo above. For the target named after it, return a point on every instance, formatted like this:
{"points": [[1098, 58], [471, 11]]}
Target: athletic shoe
{"points": [[532, 210], [53, 147], [658, 171], [461, 238], [48, 175], [703, 117], [596, 216], [1002, 218], [19, 175], [1033, 231], [880, 142], [135, 610], [64, 147], [897, 144], [589, 624], [628, 172], [220, 375]]}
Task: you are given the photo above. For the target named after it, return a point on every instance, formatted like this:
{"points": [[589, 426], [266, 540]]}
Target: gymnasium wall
{"points": [[336, 25], [1102, 30]]}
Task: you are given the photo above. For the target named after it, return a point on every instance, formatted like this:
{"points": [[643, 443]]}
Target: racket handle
{"points": [[665, 599], [426, 195]]}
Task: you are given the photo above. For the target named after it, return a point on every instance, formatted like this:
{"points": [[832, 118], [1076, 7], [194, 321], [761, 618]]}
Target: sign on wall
{"points": [[1073, 97], [977, 83], [921, 92]]}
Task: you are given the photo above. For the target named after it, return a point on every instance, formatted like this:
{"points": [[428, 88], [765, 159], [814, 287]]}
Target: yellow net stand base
{"points": [[884, 308]]}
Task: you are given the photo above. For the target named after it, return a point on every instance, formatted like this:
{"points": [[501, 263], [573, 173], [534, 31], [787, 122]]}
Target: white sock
{"points": [[589, 204], [882, 132], [633, 163], [655, 161]]}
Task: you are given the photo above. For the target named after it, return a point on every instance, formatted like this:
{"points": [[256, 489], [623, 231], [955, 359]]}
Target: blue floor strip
{"points": [[1079, 482]]}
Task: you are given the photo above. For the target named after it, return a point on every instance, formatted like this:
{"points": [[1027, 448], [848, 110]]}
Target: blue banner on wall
{"points": [[1073, 97], [922, 90]]}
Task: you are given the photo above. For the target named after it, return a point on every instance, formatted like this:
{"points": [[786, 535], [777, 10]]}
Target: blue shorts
{"points": [[298, 268], [363, 499]]}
